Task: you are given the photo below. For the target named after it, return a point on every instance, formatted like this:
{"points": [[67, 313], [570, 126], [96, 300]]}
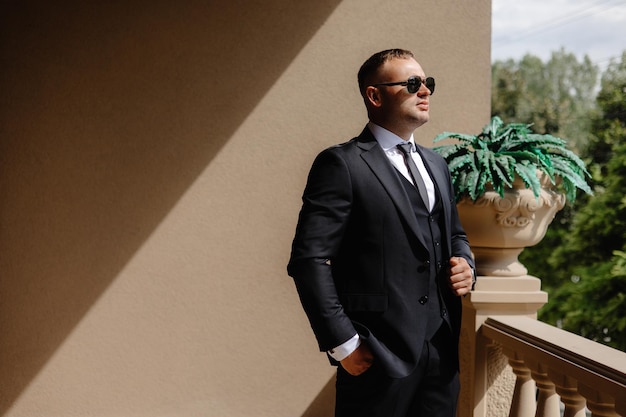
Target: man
{"points": [[380, 259]]}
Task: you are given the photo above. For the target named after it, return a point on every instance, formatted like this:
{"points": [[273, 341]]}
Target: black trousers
{"points": [[430, 391]]}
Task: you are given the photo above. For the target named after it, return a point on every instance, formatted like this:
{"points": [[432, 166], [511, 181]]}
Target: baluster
{"points": [[548, 401], [567, 388], [600, 404], [523, 403]]}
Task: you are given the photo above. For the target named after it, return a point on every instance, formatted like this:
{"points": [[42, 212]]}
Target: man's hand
{"points": [[461, 276], [358, 361]]}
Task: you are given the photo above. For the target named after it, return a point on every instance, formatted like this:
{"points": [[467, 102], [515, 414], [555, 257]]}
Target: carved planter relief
{"points": [[499, 228]]}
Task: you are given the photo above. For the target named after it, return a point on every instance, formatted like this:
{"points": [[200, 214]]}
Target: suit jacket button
{"points": [[444, 313], [423, 300]]}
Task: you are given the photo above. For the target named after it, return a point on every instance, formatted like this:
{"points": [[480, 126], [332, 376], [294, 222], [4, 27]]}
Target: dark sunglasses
{"points": [[413, 84]]}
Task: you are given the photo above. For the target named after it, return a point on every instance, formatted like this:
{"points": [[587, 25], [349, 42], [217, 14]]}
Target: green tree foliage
{"points": [[555, 96], [583, 259], [593, 304]]}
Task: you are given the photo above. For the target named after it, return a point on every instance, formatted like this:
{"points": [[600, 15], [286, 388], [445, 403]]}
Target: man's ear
{"points": [[373, 96]]}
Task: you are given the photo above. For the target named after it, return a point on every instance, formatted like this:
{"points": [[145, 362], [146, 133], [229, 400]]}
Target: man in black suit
{"points": [[380, 258]]}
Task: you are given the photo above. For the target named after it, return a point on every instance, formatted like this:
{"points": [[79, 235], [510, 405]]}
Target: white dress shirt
{"points": [[388, 141]]}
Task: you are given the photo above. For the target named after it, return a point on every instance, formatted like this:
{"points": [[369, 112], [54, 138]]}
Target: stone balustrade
{"points": [[513, 365], [549, 363]]}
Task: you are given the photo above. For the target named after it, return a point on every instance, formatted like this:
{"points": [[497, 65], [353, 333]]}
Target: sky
{"points": [[539, 27]]}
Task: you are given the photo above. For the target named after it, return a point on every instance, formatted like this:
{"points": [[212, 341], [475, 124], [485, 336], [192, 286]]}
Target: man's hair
{"points": [[370, 67]]}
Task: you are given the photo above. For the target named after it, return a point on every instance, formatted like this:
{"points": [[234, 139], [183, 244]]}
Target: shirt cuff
{"points": [[345, 349]]}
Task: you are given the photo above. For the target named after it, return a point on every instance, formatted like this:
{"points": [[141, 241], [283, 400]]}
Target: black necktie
{"points": [[418, 181]]}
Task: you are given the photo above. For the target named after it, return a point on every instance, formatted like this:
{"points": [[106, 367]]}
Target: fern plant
{"points": [[503, 151]]}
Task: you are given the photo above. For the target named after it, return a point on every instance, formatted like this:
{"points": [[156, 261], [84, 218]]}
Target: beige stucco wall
{"points": [[152, 158]]}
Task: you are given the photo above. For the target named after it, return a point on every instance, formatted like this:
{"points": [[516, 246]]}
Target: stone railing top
{"points": [[589, 362]]}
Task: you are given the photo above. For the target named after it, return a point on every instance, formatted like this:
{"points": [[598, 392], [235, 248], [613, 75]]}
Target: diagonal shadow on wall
{"points": [[108, 112]]}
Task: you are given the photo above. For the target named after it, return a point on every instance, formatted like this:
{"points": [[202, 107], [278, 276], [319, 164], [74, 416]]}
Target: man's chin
{"points": [[421, 119]]}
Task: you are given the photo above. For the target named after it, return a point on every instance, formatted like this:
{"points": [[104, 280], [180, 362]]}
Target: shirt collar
{"points": [[387, 139]]}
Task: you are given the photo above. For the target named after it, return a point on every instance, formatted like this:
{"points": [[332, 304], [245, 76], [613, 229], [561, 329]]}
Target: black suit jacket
{"points": [[359, 259]]}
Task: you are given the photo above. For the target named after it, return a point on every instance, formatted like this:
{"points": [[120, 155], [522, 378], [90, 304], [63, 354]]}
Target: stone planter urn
{"points": [[499, 228]]}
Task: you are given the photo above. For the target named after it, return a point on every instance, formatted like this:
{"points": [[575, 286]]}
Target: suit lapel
{"points": [[375, 158]]}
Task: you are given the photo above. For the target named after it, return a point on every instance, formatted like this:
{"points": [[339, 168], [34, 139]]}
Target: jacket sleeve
{"points": [[322, 221], [460, 244], [458, 239]]}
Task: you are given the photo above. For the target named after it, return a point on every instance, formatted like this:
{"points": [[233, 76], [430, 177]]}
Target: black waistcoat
{"points": [[431, 225]]}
